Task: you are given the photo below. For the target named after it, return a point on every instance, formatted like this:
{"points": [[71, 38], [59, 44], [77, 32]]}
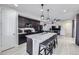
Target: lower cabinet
{"points": [[21, 39]]}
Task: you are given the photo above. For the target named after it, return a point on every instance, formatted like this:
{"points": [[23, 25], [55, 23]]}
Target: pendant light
{"points": [[48, 16], [42, 12]]}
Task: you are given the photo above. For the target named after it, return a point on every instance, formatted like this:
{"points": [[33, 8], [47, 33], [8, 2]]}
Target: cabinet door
{"points": [[9, 36], [0, 29]]}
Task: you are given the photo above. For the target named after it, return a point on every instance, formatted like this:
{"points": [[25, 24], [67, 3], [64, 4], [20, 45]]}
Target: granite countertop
{"points": [[41, 36]]}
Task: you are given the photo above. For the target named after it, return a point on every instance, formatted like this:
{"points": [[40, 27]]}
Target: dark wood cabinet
{"points": [[77, 29], [21, 38], [24, 21]]}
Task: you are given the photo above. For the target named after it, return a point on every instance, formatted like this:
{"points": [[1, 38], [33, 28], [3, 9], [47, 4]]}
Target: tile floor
{"points": [[66, 46]]}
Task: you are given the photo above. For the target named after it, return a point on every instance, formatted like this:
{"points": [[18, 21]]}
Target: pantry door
{"points": [[9, 28]]}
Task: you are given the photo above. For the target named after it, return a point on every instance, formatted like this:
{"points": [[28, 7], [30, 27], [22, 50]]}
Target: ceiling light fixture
{"points": [[65, 10], [16, 5], [48, 18], [42, 15]]}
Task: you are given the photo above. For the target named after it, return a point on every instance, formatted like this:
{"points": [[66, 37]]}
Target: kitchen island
{"points": [[34, 40]]}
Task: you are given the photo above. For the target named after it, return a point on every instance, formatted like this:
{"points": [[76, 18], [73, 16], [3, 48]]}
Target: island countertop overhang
{"points": [[41, 36]]}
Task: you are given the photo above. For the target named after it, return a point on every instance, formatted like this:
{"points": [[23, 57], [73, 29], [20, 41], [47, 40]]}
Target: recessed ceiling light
{"points": [[41, 10], [65, 10], [16, 5]]}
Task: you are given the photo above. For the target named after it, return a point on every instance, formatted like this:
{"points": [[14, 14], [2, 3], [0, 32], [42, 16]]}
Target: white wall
{"points": [[75, 27], [66, 28]]}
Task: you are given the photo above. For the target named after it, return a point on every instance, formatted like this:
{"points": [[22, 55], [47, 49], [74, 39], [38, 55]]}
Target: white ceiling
{"points": [[56, 10]]}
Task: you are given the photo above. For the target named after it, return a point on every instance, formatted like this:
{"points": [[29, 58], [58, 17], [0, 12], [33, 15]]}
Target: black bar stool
{"points": [[55, 40], [46, 47]]}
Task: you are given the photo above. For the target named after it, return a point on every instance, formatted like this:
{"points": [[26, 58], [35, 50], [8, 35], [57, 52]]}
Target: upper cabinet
{"points": [[23, 22]]}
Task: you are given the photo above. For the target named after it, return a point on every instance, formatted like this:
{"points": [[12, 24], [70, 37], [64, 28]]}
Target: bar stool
{"points": [[46, 47], [55, 40]]}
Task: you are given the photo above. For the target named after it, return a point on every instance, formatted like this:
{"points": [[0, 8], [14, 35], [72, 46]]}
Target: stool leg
{"points": [[45, 51], [54, 44], [39, 50], [56, 41], [51, 50]]}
